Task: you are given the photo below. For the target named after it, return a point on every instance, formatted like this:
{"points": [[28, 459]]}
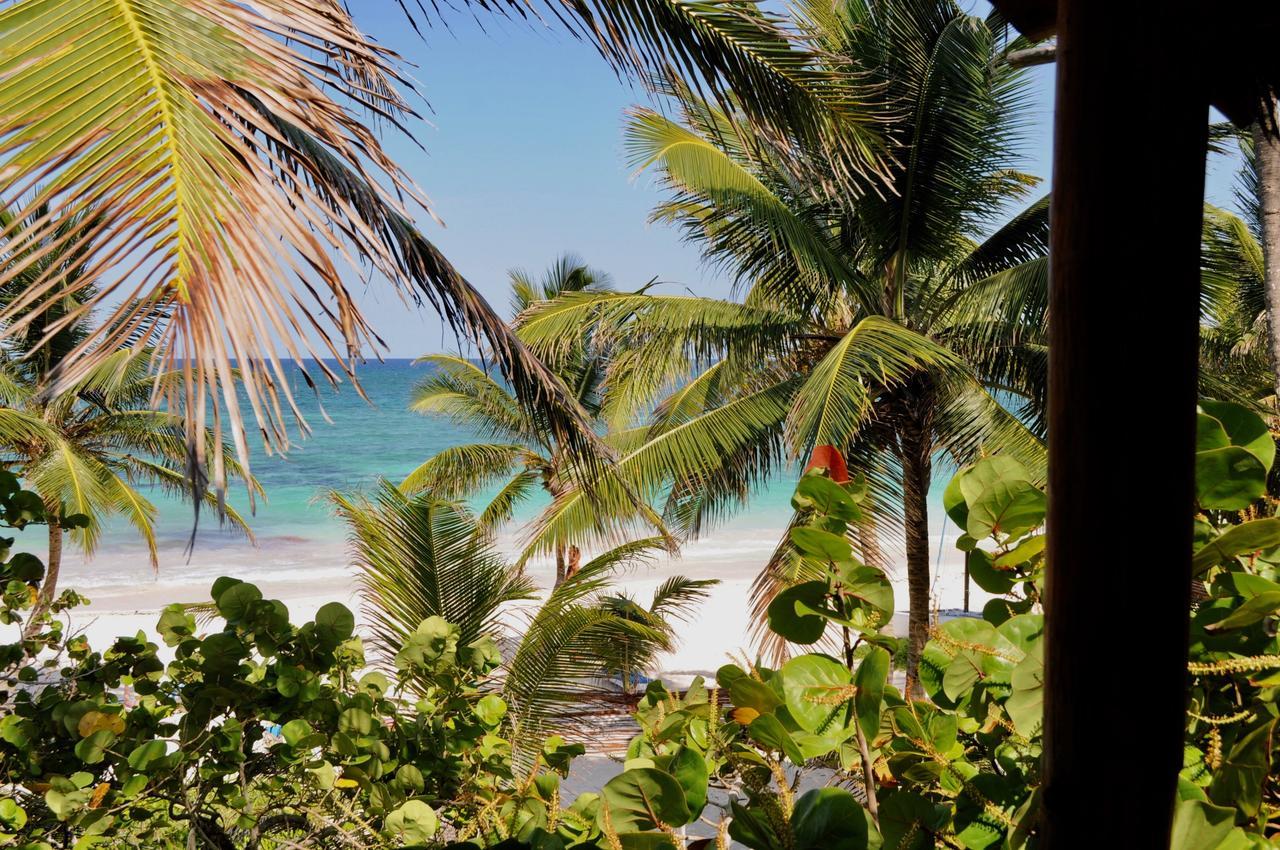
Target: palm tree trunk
{"points": [[1267, 150], [916, 473], [48, 587], [560, 563]]}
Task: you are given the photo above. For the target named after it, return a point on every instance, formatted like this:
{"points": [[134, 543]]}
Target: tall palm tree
{"points": [[522, 454], [421, 556], [86, 447], [1263, 151], [900, 327], [227, 169], [1236, 360]]}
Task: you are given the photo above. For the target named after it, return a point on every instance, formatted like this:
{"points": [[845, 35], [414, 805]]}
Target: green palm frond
{"points": [[701, 169], [461, 390], [19, 427], [562, 650], [643, 633], [971, 423], [458, 471], [567, 274], [176, 483], [1232, 269], [676, 597], [73, 481], [628, 555], [958, 137], [502, 506], [418, 557], [691, 450], [1024, 238], [704, 326], [836, 399], [137, 510]]}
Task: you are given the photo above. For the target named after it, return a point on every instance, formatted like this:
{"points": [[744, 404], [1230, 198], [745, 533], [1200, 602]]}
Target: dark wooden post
{"points": [[1128, 187]]}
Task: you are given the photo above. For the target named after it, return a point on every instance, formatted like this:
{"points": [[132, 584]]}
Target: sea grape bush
{"points": [[962, 767], [1228, 793], [268, 735], [257, 734]]}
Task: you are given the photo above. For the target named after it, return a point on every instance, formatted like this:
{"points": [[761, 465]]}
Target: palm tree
{"points": [[884, 325], [673, 600], [1263, 154], [523, 454], [1237, 359], [87, 447], [228, 168], [421, 556]]}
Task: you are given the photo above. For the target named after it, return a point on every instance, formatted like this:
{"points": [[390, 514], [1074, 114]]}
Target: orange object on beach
{"points": [[830, 459]]}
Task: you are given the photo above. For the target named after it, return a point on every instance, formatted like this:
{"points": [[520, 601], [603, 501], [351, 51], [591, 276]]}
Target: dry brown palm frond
{"points": [[151, 112], [234, 187]]}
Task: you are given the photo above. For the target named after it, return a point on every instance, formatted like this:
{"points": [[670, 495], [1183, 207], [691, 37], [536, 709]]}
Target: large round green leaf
{"points": [[1026, 703], [786, 621], [819, 693], [1229, 478], [983, 571], [1243, 428], [747, 692], [990, 470], [870, 678], [1006, 507], [908, 821], [237, 601], [769, 732], [689, 767], [832, 819], [821, 545], [821, 494], [1199, 825], [413, 824], [334, 623], [1237, 540], [644, 799]]}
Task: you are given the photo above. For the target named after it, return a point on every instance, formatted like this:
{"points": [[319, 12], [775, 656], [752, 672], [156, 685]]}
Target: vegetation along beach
{"points": [[843, 425]]}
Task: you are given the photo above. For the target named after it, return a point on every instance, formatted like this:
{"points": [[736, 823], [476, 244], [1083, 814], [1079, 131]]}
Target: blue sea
{"points": [[298, 539]]}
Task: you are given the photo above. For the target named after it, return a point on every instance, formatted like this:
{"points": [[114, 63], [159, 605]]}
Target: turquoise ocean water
{"points": [[295, 530]]}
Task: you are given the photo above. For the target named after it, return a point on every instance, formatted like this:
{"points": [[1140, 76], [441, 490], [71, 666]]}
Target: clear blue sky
{"points": [[524, 160]]}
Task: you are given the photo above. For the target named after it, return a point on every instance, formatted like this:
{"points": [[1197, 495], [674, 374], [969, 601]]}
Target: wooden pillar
{"points": [[1128, 186]]}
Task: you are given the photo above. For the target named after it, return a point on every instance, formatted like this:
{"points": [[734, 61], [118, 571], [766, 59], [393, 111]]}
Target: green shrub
{"points": [[265, 735]]}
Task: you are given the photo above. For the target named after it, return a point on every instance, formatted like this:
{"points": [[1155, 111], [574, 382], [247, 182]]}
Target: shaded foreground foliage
{"points": [[264, 734]]}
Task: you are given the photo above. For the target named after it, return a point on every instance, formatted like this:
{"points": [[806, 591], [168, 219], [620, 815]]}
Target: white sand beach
{"points": [[126, 596]]}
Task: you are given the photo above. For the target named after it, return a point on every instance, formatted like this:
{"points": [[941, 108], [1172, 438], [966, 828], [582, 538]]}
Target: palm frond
{"points": [[18, 426], [419, 557], [1024, 238], [562, 650], [195, 223], [678, 595], [175, 483], [836, 399], [458, 471], [691, 450], [971, 423], [502, 506], [699, 167], [470, 396]]}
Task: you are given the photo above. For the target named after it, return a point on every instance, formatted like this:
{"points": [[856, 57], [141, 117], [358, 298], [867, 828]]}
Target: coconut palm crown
{"points": [[901, 328], [523, 456]]}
